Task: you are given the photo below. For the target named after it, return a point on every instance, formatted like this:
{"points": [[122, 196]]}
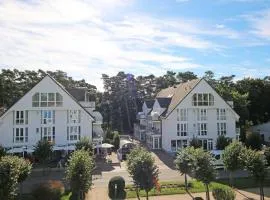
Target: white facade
{"points": [[49, 112], [175, 125], [263, 130]]}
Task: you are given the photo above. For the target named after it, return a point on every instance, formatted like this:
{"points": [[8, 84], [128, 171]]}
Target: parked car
{"points": [[218, 155]]}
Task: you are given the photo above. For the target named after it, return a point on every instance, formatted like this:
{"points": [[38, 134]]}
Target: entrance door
{"points": [[156, 143], [205, 144]]}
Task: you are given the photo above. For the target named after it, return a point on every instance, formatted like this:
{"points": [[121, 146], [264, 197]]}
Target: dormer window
{"points": [[202, 99]]}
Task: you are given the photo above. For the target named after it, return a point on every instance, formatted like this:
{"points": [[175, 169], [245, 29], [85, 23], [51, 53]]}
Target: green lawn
{"points": [[169, 187], [66, 196]]}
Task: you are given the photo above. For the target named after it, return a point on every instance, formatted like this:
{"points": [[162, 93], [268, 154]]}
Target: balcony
{"points": [[153, 131]]}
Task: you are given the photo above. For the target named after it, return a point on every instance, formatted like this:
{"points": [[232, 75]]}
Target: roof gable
{"points": [[46, 84], [181, 91], [177, 93]]}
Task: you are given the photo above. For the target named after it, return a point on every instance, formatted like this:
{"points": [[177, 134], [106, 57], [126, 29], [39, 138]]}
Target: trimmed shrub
{"points": [[50, 190], [120, 191], [223, 193]]}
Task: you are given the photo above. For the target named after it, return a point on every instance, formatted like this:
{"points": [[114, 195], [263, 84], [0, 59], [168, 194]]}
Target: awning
{"points": [[28, 149]]}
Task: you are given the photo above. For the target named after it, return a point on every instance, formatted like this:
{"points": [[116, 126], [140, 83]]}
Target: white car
{"points": [[218, 154]]}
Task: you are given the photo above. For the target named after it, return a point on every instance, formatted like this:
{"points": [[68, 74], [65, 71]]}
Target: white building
{"points": [[187, 110], [49, 111], [263, 130]]}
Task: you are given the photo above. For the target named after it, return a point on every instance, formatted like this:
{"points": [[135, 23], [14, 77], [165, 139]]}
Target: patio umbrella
{"points": [[104, 146], [59, 147]]}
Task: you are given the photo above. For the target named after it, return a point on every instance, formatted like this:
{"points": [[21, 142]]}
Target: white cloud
{"points": [[83, 39], [261, 24]]}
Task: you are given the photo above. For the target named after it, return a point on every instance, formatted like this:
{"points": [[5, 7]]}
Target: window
{"points": [[59, 100], [43, 100], [202, 115], [178, 117], [182, 129], [35, 100], [173, 145], [47, 99], [48, 133], [221, 128], [184, 143], [202, 128], [177, 144], [74, 116], [73, 133], [21, 117], [51, 99], [47, 117], [221, 114], [183, 114], [20, 135], [202, 99], [210, 144]]}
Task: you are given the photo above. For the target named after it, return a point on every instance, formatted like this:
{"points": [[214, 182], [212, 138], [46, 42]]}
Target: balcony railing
{"points": [[153, 131]]}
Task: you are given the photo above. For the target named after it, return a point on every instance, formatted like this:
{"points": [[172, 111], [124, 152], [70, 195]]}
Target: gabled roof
{"points": [[77, 93], [149, 103], [65, 90], [176, 94], [179, 92], [61, 86]]}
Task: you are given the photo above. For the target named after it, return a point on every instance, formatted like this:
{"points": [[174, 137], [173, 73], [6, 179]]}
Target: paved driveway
{"points": [[106, 171]]}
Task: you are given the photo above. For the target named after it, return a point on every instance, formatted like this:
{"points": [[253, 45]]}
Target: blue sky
{"points": [[87, 38]]}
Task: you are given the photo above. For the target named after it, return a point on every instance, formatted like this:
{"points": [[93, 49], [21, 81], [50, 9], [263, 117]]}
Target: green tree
{"points": [[116, 140], [204, 169], [169, 78], [2, 151], [232, 158], [13, 170], [186, 76], [254, 141], [79, 173], [143, 170], [185, 161], [222, 142], [85, 144], [43, 151], [256, 164], [195, 143]]}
